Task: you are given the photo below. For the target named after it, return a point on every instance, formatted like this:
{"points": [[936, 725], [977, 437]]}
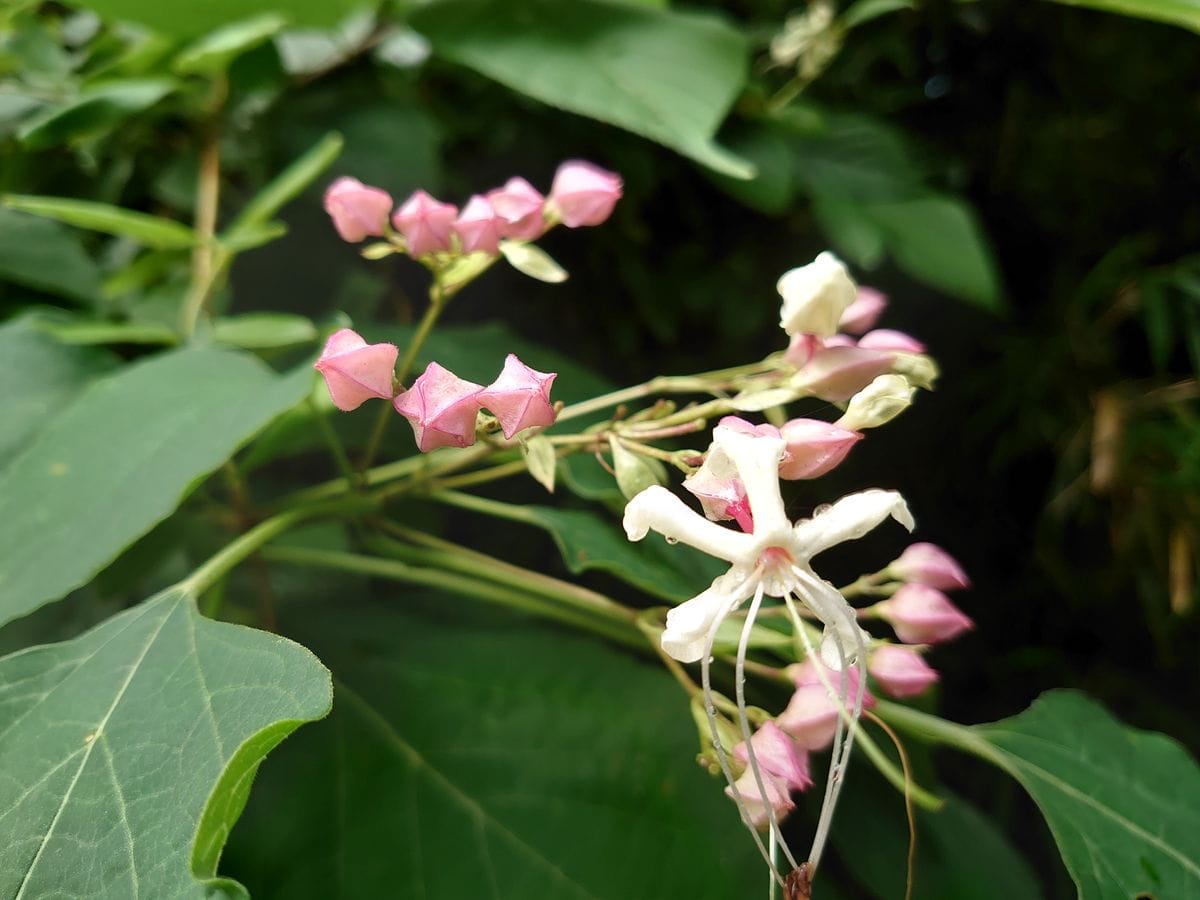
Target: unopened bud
{"points": [[815, 296], [879, 402]]}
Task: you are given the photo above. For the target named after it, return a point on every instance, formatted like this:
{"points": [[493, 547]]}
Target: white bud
{"points": [[921, 370], [879, 402], [815, 296]]}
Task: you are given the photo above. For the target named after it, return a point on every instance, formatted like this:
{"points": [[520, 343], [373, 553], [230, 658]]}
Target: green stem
{"points": [[435, 550], [472, 587], [502, 470], [340, 458], [208, 260], [235, 552], [895, 777], [495, 508], [935, 730]]}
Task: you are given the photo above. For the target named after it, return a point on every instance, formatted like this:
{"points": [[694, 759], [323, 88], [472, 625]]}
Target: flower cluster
{"points": [[441, 407], [581, 194], [822, 312], [771, 557]]}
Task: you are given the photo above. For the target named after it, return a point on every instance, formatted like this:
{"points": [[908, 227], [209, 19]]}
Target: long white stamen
{"points": [[739, 686], [722, 757], [860, 652]]}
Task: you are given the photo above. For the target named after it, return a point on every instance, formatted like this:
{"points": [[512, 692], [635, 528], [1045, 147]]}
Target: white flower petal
{"points": [[757, 460], [657, 509], [689, 623], [850, 518]]}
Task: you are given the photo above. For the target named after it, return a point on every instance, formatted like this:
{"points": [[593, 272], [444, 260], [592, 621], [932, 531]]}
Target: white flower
{"points": [[815, 296], [776, 557]]}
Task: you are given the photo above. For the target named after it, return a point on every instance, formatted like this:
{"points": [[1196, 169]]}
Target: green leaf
{"points": [[96, 110], [153, 231], [532, 260], [120, 458], [43, 255], [264, 331], [91, 331], [286, 185], [939, 240], [866, 10], [667, 76], [40, 377], [193, 19], [487, 756], [849, 230], [541, 460], [1123, 804], [1184, 13], [128, 753], [213, 53], [588, 541], [634, 472]]}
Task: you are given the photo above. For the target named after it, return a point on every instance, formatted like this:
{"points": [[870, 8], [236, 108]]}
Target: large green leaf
{"points": [[40, 376], [666, 75], [1184, 13], [46, 256], [472, 755], [1123, 804], [128, 753], [120, 458]]}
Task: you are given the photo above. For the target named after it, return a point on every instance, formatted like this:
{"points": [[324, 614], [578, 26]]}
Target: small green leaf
{"points": [[634, 472], [866, 10], [41, 254], [588, 541], [1184, 13], [85, 331], [938, 239], [264, 331], [252, 236], [473, 755], [136, 744], [120, 459], [96, 110], [668, 76], [213, 53], [153, 231], [1123, 804], [286, 185], [193, 19], [40, 376], [532, 260], [541, 460]]}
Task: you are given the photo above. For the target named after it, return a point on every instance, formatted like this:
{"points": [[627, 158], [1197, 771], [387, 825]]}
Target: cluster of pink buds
{"points": [[441, 407], [581, 194], [823, 311]]}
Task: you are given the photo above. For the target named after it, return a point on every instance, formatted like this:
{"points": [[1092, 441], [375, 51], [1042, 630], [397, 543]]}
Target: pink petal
{"points": [[426, 224], [584, 194], [441, 408], [357, 210], [519, 397], [519, 206], [356, 371]]}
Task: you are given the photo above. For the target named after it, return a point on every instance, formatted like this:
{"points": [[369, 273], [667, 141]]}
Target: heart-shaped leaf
{"points": [[128, 753]]}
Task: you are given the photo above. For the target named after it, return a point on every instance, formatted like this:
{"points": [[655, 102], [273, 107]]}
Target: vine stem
{"points": [[253, 540], [207, 259]]}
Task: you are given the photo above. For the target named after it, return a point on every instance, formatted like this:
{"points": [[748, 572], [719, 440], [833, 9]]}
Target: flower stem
{"points": [[208, 261], [935, 730], [336, 450], [455, 583]]}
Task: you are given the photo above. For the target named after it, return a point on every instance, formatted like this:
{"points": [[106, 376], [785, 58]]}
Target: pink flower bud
{"points": [[357, 210], [441, 408], [931, 565], [924, 615], [584, 194], [740, 425], [478, 227], [519, 397], [864, 312], [718, 488], [812, 714], [425, 224], [777, 755], [356, 371], [814, 448], [756, 804], [838, 373], [801, 348], [519, 206], [892, 341], [901, 672]]}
